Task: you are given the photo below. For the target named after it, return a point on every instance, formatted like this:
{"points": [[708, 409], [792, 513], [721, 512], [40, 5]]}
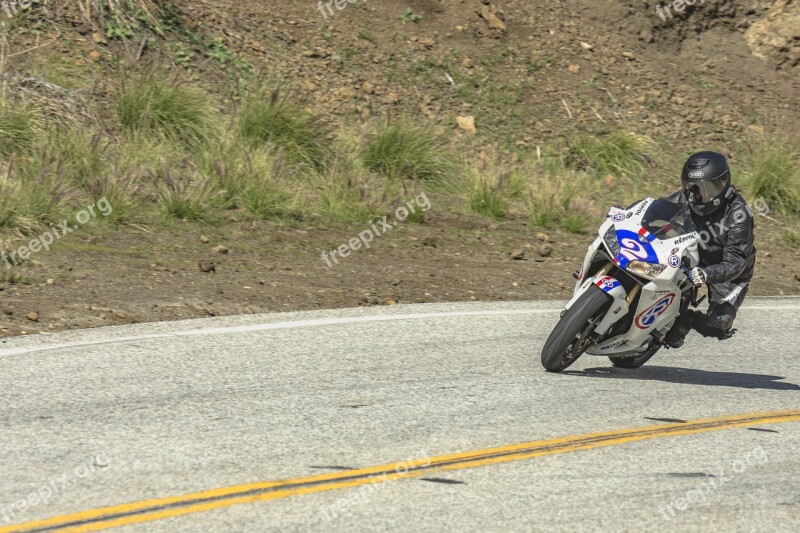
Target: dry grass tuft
{"points": [[54, 102]]}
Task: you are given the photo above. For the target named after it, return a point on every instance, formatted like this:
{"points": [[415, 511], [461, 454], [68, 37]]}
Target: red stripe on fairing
{"points": [[647, 235]]}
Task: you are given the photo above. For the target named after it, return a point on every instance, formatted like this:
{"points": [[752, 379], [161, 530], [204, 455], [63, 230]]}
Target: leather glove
{"points": [[698, 276]]}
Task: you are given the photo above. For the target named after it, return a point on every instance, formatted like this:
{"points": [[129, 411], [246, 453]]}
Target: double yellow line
{"points": [[170, 507]]}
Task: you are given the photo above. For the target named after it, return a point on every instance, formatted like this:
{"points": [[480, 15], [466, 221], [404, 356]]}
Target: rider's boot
{"points": [[681, 328]]}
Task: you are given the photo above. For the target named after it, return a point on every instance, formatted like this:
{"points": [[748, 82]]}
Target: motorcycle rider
{"points": [[727, 253]]}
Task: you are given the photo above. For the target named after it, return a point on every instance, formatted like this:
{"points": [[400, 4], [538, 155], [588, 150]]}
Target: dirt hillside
{"points": [[532, 74]]}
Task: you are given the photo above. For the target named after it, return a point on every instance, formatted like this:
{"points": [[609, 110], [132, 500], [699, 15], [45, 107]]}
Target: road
{"points": [[397, 418]]}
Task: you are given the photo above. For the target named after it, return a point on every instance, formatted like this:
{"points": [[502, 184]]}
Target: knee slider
{"points": [[721, 320]]}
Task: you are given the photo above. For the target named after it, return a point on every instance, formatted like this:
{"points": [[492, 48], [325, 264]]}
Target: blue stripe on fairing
{"points": [[652, 256]]}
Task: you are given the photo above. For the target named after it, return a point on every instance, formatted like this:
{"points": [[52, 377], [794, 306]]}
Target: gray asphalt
{"points": [[123, 414]]}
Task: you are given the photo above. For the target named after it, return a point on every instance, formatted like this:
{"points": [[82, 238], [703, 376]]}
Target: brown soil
{"points": [[710, 75], [691, 79], [143, 277]]}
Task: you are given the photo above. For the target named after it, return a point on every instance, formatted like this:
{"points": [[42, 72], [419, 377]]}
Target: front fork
{"points": [[620, 306], [621, 299]]}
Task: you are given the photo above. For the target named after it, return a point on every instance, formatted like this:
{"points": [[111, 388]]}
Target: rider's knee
{"points": [[722, 317]]}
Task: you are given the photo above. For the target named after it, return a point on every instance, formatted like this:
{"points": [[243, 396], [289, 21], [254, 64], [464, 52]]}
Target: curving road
{"points": [[397, 418]]}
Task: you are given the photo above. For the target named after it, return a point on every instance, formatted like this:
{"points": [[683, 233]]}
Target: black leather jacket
{"points": [[727, 251]]}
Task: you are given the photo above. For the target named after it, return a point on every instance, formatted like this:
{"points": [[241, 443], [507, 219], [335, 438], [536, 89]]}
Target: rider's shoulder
{"points": [[736, 200], [738, 210]]}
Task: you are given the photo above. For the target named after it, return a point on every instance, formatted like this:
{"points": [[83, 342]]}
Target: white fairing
{"points": [[658, 304]]}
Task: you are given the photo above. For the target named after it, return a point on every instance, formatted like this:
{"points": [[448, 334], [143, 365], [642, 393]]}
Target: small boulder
{"points": [[492, 20], [467, 123], [545, 250]]}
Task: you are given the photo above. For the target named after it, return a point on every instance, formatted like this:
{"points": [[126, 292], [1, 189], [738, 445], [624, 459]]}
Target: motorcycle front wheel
{"points": [[572, 335]]}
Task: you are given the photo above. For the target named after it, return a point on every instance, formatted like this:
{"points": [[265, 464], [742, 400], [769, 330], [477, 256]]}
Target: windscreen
{"points": [[667, 220]]}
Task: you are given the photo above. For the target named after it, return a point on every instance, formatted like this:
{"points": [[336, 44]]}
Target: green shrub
{"points": [[549, 212], [219, 51], [43, 196], [124, 18], [486, 199], [791, 238], [409, 16], [621, 154], [230, 162], [253, 178], [83, 155], [97, 167], [124, 192], [348, 194], [164, 109], [402, 150], [573, 223], [579, 214], [305, 138], [265, 199], [20, 128], [9, 206], [558, 197], [182, 197], [34, 194], [264, 195], [417, 215], [545, 207], [771, 171], [367, 36]]}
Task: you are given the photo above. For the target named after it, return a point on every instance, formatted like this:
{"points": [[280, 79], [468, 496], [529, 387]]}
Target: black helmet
{"points": [[706, 182]]}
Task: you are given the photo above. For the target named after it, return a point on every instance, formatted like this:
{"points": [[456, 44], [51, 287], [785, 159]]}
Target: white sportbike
{"points": [[632, 287]]}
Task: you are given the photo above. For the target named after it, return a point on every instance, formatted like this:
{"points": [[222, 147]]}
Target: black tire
{"points": [[636, 361], [570, 337]]}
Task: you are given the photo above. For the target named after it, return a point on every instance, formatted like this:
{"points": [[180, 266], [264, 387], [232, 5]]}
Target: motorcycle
{"points": [[632, 286]]}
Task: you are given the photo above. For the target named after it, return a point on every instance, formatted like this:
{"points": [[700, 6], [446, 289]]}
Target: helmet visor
{"points": [[701, 192]]}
